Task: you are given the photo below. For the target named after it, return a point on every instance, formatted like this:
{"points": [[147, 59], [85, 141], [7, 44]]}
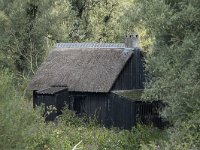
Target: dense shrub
{"points": [[22, 127], [174, 64]]}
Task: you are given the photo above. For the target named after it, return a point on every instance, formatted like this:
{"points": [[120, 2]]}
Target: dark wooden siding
{"points": [[93, 104], [121, 112], [132, 76], [47, 101], [61, 98], [148, 113], [56, 100], [109, 108]]}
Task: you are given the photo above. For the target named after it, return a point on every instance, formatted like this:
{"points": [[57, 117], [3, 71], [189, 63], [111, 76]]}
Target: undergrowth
{"points": [[22, 127]]}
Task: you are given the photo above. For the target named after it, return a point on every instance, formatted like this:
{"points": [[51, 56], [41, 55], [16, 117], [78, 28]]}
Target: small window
{"points": [[78, 104]]}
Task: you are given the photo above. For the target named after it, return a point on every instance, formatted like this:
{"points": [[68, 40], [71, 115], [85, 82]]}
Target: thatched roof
{"points": [[52, 90], [81, 69]]}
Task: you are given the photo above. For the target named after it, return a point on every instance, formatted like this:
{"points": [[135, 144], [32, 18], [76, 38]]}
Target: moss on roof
{"points": [[131, 94]]}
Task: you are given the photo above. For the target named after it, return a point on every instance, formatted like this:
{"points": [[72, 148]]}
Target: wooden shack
{"points": [[96, 74], [53, 99]]}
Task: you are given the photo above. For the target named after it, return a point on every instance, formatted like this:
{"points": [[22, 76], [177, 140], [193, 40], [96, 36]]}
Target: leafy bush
{"points": [[22, 127], [174, 64]]}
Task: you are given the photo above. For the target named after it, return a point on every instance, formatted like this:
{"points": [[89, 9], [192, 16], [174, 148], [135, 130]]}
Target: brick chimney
{"points": [[131, 41]]}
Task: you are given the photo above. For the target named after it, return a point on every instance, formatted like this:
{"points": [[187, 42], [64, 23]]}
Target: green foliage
{"points": [[98, 20], [169, 33], [22, 127], [174, 65], [146, 18], [28, 29]]}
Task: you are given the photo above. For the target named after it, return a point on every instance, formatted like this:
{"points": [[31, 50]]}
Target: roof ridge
{"points": [[90, 45]]}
